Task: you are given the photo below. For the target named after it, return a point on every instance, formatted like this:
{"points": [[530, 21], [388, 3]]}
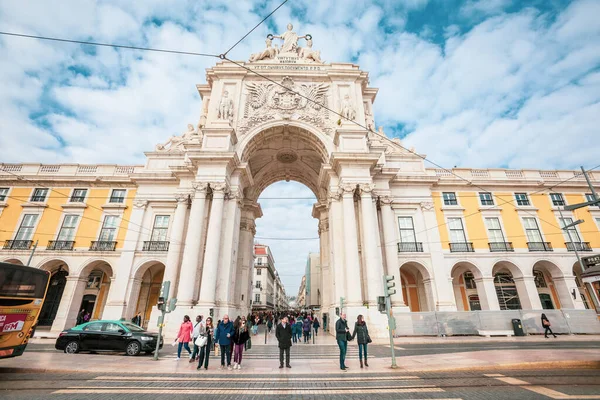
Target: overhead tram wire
{"points": [[376, 133], [224, 55], [118, 46]]}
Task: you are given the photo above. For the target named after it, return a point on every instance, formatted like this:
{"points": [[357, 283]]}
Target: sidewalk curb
{"points": [[568, 364]]}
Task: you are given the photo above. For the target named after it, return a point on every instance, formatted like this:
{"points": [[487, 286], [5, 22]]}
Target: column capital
{"points": [[385, 200], [182, 198], [235, 194], [366, 188], [140, 204], [323, 226], [247, 224], [333, 195], [219, 187], [347, 189]]}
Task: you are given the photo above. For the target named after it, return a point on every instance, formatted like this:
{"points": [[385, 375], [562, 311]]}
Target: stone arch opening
{"points": [[416, 287], [15, 261], [91, 291], [145, 290], [468, 295], [59, 271], [550, 283], [508, 291]]}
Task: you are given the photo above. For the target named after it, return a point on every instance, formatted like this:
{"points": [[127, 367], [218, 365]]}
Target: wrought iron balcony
{"points": [[155, 246], [410, 247], [17, 244], [579, 246], [103, 245], [60, 245], [539, 246], [501, 246], [462, 247]]}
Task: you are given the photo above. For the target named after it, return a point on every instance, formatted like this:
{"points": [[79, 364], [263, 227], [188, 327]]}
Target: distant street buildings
{"points": [[268, 293]]}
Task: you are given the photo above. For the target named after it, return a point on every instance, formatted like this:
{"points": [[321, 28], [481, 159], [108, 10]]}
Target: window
{"points": [[457, 232], [94, 326], [259, 261], [572, 230], [590, 197], [78, 196], [25, 231], [39, 195], [160, 229], [67, 230], [257, 298], [494, 230], [469, 280], [506, 290], [540, 281], [532, 230], [258, 271], [557, 199], [407, 230], [94, 280], [486, 199], [111, 327], [117, 196], [258, 284], [474, 304], [546, 301], [522, 199], [109, 228], [3, 194], [450, 199]]}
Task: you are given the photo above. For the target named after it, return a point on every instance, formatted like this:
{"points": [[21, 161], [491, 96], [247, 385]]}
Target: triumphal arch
{"points": [[283, 115]]}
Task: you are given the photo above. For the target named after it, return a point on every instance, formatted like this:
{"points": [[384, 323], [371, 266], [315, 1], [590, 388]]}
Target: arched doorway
{"points": [[509, 293], [467, 294], [151, 276], [58, 280], [552, 293], [92, 290], [416, 287]]}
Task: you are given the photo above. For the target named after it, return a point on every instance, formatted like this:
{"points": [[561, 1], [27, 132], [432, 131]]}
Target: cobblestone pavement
{"points": [[496, 384]]}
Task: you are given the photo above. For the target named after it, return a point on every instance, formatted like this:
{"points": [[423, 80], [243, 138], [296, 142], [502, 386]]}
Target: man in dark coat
{"points": [[283, 333], [341, 331]]}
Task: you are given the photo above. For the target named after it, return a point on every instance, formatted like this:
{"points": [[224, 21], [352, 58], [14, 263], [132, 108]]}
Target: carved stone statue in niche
{"points": [[226, 107], [308, 53], [348, 110], [268, 53]]}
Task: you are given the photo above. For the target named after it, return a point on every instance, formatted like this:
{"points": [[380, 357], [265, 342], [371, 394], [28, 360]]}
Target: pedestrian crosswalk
{"points": [[299, 352]]}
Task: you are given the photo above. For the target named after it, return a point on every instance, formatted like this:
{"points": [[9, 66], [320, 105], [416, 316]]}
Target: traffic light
{"points": [[389, 285], [381, 304], [211, 312], [337, 311], [161, 303], [164, 290], [172, 303]]}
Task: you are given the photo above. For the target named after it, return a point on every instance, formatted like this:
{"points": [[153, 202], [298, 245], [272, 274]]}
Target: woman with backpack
{"points": [[306, 329]]}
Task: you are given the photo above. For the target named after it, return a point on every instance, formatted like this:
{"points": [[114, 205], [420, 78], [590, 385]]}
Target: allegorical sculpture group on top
{"points": [[289, 48]]}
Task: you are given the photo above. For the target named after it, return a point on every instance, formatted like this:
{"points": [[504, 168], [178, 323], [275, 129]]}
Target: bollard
{"points": [[266, 334], [313, 335]]}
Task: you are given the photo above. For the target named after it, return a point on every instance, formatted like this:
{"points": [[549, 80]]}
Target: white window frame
{"points": [[590, 197], [33, 228], [258, 271], [257, 298], [73, 194], [450, 230], [162, 228], [31, 199], [98, 236], [537, 223], [74, 228], [110, 197], [455, 199], [490, 199], [574, 231], [526, 197], [400, 229], [4, 196], [500, 228], [560, 199]]}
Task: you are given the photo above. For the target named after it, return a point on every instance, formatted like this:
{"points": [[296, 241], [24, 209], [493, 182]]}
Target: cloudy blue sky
{"points": [[494, 83]]}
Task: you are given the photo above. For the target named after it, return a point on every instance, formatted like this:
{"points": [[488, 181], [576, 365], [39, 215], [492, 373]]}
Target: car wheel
{"points": [[133, 348], [72, 347]]}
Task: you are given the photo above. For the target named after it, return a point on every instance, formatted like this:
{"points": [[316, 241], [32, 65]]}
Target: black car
{"points": [[109, 336]]}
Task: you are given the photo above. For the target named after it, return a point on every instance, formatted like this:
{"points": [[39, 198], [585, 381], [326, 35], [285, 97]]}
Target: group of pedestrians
{"points": [[231, 337]]}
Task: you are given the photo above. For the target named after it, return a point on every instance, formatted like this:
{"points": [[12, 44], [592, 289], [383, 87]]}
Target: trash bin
{"points": [[518, 327]]}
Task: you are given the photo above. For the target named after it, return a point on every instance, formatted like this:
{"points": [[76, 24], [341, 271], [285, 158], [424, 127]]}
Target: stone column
{"points": [[528, 293], [564, 286], [116, 304], [247, 232], [486, 290], [326, 286], [135, 286], [192, 250], [390, 239], [336, 229], [176, 242], [353, 276], [226, 277], [374, 267], [213, 244], [66, 315]]}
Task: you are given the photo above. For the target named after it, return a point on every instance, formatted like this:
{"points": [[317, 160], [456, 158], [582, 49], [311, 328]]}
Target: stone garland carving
{"points": [[366, 187], [221, 187], [426, 206], [225, 110], [182, 197], [200, 187], [140, 204], [386, 200], [347, 188], [268, 101]]}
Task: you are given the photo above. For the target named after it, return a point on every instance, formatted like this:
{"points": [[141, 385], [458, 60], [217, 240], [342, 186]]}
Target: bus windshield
{"points": [[22, 282]]}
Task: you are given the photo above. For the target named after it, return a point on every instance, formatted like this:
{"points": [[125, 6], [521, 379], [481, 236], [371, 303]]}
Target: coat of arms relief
{"points": [[288, 101]]}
